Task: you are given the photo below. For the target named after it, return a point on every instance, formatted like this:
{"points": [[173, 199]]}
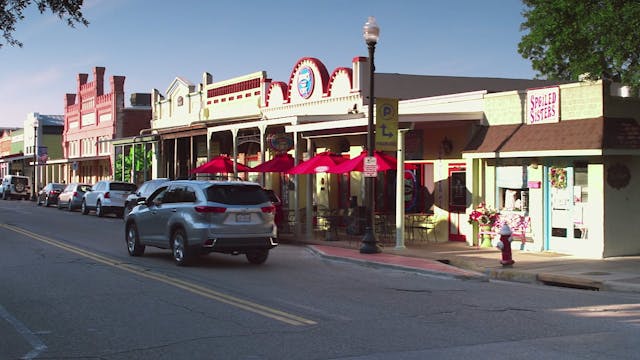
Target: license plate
{"points": [[243, 218]]}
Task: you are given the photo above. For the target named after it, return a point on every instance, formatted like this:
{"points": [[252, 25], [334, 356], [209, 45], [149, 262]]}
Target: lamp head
{"points": [[371, 31]]}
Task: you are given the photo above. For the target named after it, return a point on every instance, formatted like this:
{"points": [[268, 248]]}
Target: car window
{"points": [[172, 195], [188, 195], [58, 187], [84, 188], [237, 194], [122, 187], [158, 195]]}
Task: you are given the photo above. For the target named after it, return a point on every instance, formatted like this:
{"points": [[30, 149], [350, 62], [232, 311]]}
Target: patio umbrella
{"points": [[279, 164], [318, 164], [385, 162], [219, 164]]}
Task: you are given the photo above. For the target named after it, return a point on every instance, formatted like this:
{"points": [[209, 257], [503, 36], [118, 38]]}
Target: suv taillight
{"points": [[210, 209], [106, 195], [75, 193], [269, 209]]}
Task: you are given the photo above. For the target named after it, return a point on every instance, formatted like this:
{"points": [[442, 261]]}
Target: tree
{"points": [[11, 11], [138, 157], [569, 38]]}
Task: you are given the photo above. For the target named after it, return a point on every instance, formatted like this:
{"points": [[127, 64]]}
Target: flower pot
{"points": [[485, 240]]}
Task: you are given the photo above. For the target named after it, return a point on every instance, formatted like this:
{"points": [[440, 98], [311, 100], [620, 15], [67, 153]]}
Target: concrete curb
{"points": [[432, 267]]}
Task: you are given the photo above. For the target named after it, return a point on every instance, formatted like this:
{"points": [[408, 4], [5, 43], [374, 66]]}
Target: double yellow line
{"points": [[184, 285]]}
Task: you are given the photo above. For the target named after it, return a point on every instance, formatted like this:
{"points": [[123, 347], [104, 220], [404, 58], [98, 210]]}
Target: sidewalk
{"points": [[455, 259]]}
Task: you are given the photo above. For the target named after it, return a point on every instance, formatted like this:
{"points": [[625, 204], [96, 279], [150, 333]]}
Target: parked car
{"points": [[191, 217], [143, 192], [275, 200], [48, 195], [107, 197], [71, 197], [15, 187]]}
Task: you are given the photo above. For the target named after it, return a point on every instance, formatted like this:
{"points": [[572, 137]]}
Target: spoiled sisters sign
{"points": [[543, 105]]}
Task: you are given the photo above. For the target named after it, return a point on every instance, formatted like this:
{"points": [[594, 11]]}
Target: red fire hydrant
{"points": [[505, 246]]}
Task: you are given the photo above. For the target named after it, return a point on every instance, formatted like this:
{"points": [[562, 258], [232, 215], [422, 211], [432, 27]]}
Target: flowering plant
{"points": [[558, 177], [483, 215]]}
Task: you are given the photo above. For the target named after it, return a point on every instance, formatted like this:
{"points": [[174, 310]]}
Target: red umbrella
{"points": [[318, 164], [280, 163], [385, 162], [219, 164]]}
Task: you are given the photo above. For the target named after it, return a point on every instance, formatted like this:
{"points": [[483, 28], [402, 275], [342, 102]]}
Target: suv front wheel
{"points": [[133, 241], [85, 209]]}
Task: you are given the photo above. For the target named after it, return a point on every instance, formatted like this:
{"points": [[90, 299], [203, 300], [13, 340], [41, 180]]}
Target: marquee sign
{"points": [[543, 105]]}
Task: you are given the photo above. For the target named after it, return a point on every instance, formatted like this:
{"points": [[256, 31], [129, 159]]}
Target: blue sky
{"points": [[152, 42]]}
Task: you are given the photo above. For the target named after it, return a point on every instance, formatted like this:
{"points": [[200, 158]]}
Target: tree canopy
{"points": [[565, 39], [12, 11]]}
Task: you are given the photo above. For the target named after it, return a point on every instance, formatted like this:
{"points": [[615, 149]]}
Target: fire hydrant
{"points": [[505, 245]]}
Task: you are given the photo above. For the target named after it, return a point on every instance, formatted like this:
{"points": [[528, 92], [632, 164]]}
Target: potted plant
{"points": [[485, 217]]}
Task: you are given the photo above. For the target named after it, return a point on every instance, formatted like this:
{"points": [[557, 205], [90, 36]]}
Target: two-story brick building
{"points": [[93, 118]]}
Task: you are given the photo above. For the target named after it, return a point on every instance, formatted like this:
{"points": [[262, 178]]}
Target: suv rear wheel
{"points": [[99, 210], [181, 252], [257, 257]]}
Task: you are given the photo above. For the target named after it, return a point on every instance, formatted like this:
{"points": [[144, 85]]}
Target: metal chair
{"points": [[424, 224]]}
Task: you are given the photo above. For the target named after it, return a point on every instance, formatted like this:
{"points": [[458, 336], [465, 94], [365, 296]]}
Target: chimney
{"points": [[98, 76], [69, 99]]}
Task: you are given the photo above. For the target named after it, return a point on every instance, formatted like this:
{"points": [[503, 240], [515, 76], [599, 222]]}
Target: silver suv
{"points": [[107, 196], [193, 217], [15, 187]]}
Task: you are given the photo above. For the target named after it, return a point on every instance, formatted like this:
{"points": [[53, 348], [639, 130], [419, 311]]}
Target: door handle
{"points": [[174, 210]]}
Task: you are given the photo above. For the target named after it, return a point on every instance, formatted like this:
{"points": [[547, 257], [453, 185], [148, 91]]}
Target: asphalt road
{"points": [[69, 290]]}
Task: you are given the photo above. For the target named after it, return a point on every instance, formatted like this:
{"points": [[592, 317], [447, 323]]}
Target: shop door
{"points": [[561, 210], [457, 201]]}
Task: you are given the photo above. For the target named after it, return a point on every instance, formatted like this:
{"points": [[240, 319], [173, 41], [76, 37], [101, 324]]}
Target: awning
{"points": [[596, 136]]}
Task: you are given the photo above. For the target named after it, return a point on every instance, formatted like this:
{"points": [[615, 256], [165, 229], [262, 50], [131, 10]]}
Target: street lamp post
{"points": [[35, 160], [371, 32]]}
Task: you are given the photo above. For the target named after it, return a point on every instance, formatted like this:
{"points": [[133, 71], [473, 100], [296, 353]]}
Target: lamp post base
{"points": [[369, 244]]}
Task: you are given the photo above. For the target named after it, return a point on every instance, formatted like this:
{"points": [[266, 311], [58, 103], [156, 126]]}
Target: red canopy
{"points": [[280, 163], [385, 162], [219, 164], [320, 163]]}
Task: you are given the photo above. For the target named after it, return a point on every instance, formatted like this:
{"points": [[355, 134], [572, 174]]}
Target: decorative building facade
{"points": [[93, 119], [568, 157]]}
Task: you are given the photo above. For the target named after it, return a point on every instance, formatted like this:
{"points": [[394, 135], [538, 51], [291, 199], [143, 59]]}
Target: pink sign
{"points": [[543, 105], [534, 184]]}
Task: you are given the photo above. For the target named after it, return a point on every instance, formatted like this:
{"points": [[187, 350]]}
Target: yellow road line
{"points": [[190, 287]]}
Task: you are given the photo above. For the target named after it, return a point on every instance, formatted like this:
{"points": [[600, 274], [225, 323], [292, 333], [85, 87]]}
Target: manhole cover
{"points": [[596, 273]]}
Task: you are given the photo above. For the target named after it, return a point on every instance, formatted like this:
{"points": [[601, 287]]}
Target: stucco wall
{"points": [[504, 108], [582, 100], [622, 207]]}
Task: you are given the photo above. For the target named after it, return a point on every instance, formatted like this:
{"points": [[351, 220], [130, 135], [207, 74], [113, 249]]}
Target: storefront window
{"points": [[580, 198], [514, 199], [580, 183]]}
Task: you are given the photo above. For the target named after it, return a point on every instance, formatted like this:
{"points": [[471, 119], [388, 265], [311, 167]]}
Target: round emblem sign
{"points": [[618, 176], [305, 82], [280, 142]]}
